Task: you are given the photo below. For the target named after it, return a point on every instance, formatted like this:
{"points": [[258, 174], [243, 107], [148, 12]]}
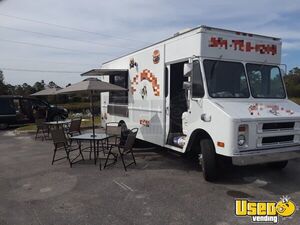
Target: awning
{"points": [[105, 72]]}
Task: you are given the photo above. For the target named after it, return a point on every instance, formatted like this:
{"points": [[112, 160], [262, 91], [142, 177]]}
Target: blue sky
{"points": [[117, 27]]}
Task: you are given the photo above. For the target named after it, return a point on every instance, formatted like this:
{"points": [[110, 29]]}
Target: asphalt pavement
{"points": [[163, 189]]}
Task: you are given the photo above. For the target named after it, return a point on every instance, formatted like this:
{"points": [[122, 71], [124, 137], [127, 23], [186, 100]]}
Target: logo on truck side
{"points": [[149, 76], [242, 45], [156, 56]]}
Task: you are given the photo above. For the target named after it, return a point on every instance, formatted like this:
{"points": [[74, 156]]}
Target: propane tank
{"points": [[180, 141]]}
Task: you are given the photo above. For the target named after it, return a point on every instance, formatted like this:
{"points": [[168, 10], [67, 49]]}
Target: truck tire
{"points": [[3, 126], [208, 160], [278, 165]]}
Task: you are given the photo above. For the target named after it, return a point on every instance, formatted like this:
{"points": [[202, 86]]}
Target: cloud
{"points": [[126, 26]]}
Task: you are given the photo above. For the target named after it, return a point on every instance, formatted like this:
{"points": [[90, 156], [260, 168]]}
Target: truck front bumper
{"points": [[265, 156]]}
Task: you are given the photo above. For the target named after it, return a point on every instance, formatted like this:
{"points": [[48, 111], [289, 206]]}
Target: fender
{"points": [[195, 137]]}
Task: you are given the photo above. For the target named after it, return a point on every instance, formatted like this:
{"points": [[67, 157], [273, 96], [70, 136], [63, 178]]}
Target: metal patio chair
{"points": [[74, 128], [124, 149], [115, 130], [42, 128], [61, 143]]}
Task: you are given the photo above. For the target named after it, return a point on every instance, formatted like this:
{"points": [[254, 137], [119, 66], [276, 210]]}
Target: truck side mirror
{"points": [[187, 69], [187, 85]]}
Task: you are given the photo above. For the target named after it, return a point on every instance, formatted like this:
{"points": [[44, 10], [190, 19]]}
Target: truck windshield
{"points": [[265, 81], [226, 79]]}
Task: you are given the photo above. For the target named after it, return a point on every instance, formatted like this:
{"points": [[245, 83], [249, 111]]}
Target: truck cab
{"points": [[238, 103]]}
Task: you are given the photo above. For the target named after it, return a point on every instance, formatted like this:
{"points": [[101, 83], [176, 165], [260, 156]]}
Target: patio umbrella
{"points": [[47, 92], [91, 86]]}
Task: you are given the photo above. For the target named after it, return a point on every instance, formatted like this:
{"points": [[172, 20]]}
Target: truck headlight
{"points": [[241, 140]]}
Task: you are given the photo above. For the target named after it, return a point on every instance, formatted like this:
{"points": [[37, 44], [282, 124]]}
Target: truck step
{"points": [[177, 149]]}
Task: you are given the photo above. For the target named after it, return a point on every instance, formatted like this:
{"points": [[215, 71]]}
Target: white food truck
{"points": [[212, 91]]}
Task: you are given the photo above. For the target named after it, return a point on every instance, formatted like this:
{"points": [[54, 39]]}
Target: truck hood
{"points": [[259, 109]]}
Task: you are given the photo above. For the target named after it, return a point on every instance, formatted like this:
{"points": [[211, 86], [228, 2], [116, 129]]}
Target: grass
{"points": [[89, 123], [86, 123], [28, 127], [296, 100], [78, 106]]}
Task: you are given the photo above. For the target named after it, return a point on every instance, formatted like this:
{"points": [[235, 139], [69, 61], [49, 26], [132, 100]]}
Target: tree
{"points": [[51, 84], [1, 77], [10, 89], [27, 89], [3, 87], [292, 82], [294, 71], [38, 86]]}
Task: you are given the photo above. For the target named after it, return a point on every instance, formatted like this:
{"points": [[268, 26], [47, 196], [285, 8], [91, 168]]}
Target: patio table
{"points": [[57, 123], [97, 138]]}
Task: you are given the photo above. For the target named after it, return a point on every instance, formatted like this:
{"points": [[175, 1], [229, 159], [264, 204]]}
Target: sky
{"points": [[69, 37]]}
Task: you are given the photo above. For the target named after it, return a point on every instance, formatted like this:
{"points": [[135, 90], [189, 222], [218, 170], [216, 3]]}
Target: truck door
{"points": [[184, 89], [176, 101], [167, 102], [23, 109]]}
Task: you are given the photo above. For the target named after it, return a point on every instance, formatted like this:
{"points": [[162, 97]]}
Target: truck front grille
{"points": [[277, 133], [277, 140], [278, 126]]}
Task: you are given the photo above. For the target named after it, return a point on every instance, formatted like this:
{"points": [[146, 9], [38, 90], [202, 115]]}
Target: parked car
{"points": [[22, 110]]}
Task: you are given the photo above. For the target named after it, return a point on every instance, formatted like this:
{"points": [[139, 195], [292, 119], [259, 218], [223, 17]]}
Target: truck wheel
{"points": [[208, 160], [278, 165], [3, 126]]}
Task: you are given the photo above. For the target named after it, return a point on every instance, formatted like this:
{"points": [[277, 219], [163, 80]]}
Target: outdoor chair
{"points": [[74, 128], [123, 150], [61, 143], [114, 129], [41, 128]]}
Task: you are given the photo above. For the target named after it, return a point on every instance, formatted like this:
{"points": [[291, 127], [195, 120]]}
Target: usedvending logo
{"points": [[265, 211]]}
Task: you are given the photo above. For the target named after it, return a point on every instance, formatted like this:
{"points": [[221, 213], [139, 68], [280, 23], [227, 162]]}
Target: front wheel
{"points": [[278, 165], [208, 160]]}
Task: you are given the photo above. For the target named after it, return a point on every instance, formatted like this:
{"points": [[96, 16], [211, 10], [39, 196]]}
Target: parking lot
{"points": [[164, 188]]}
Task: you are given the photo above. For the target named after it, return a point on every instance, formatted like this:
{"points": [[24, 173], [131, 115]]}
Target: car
{"points": [[16, 110]]}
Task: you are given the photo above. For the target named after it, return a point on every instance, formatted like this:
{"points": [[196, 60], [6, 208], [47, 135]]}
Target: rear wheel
{"points": [[208, 160], [278, 165], [3, 126]]}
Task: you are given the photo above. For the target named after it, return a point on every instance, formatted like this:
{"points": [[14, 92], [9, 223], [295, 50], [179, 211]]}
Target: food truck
{"points": [[216, 92]]}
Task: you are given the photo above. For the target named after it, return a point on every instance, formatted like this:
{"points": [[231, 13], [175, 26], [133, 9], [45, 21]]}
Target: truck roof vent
{"points": [[182, 31]]}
